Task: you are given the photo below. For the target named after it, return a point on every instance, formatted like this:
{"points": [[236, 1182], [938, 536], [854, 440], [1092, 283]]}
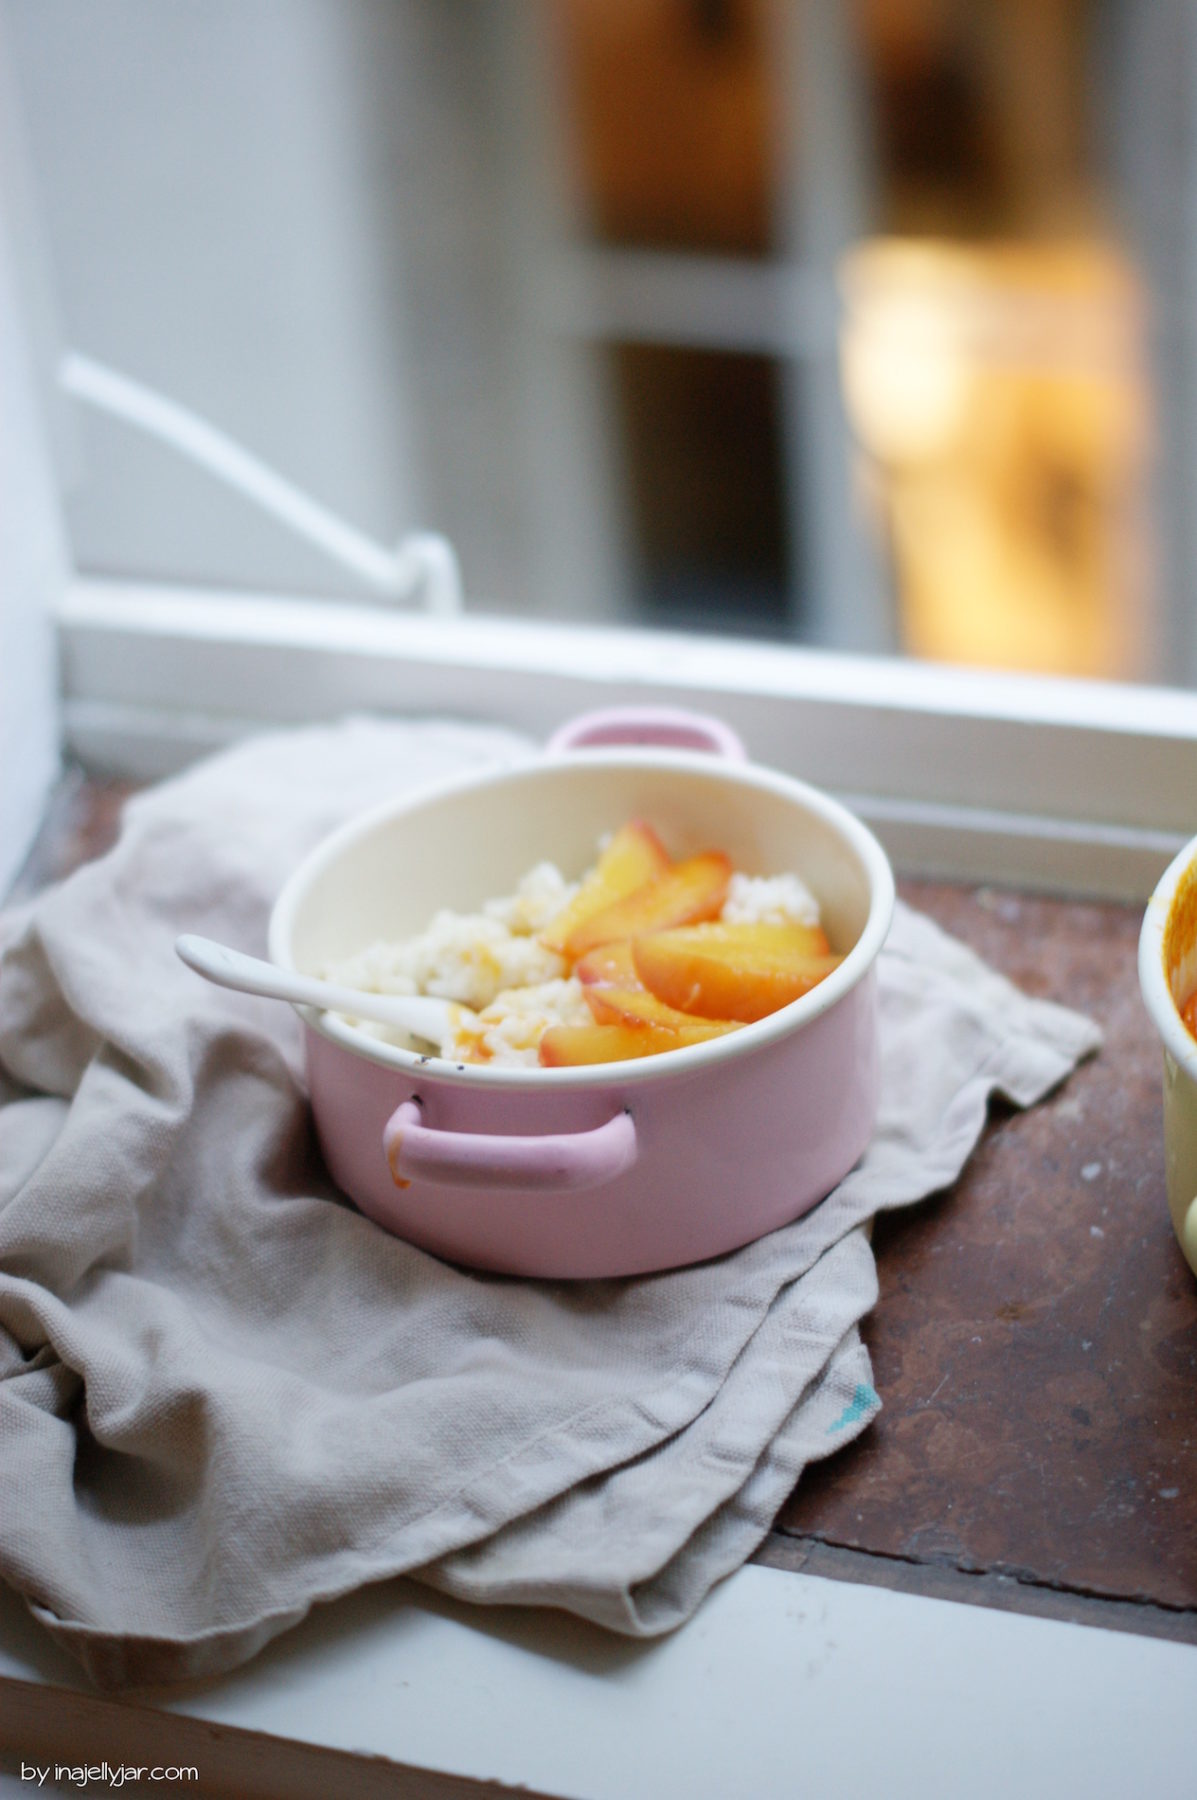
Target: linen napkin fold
{"points": [[225, 1395]]}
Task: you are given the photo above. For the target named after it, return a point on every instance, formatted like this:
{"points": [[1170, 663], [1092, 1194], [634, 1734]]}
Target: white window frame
{"points": [[1081, 787]]}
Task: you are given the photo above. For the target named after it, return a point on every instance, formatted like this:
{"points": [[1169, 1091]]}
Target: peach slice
{"points": [[636, 1006], [743, 972], [633, 857], [691, 890], [566, 1046], [610, 965]]}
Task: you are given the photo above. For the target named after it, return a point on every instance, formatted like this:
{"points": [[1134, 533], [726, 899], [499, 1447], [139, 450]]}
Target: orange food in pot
{"points": [[610, 965], [660, 967], [634, 856], [740, 972], [566, 1046], [681, 895]]}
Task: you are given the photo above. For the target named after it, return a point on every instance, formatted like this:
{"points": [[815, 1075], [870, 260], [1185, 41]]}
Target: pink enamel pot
{"points": [[619, 1168]]}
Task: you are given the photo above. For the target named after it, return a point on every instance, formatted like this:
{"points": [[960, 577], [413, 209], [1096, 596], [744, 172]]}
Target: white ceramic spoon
{"points": [[421, 1014]]}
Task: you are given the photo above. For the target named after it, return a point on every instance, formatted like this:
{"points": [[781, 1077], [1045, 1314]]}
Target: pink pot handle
{"points": [[668, 726], [579, 1159]]}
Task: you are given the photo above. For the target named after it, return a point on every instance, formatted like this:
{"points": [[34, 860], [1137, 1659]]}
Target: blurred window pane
{"points": [[999, 400], [985, 114], [702, 455], [670, 108]]}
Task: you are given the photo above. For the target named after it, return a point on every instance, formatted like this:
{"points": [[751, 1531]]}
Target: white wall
{"points": [[32, 550], [199, 173]]}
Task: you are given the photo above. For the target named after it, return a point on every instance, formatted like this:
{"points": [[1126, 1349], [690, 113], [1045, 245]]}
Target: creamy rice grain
{"points": [[769, 900], [508, 1031], [469, 957]]}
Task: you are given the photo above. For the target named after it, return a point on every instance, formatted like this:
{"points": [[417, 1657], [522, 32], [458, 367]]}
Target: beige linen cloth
{"points": [[225, 1395]]}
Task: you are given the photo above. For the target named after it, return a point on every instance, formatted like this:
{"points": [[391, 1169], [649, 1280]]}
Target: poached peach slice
{"points": [[689, 891], [633, 857], [566, 1046], [609, 965], [742, 972], [615, 993], [636, 1006]]}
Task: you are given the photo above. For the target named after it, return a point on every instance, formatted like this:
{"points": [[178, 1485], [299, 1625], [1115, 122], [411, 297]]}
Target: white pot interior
{"points": [[385, 876]]}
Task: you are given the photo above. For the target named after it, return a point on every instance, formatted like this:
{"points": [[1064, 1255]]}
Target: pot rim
{"points": [[690, 1060], [1153, 976]]}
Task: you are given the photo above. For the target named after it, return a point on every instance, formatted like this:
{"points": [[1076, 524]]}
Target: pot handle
{"points": [[573, 1160], [672, 727]]}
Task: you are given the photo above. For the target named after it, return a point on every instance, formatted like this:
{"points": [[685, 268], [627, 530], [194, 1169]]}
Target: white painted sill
{"points": [[1083, 787], [783, 1684]]}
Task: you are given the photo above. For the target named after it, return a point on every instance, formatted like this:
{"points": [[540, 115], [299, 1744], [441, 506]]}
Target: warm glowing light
{"points": [[998, 397], [906, 377]]}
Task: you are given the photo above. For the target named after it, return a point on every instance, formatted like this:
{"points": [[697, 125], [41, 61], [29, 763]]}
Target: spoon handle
{"points": [[422, 1014]]}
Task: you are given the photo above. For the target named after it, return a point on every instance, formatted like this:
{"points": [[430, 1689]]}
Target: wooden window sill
{"points": [[1035, 1342]]}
